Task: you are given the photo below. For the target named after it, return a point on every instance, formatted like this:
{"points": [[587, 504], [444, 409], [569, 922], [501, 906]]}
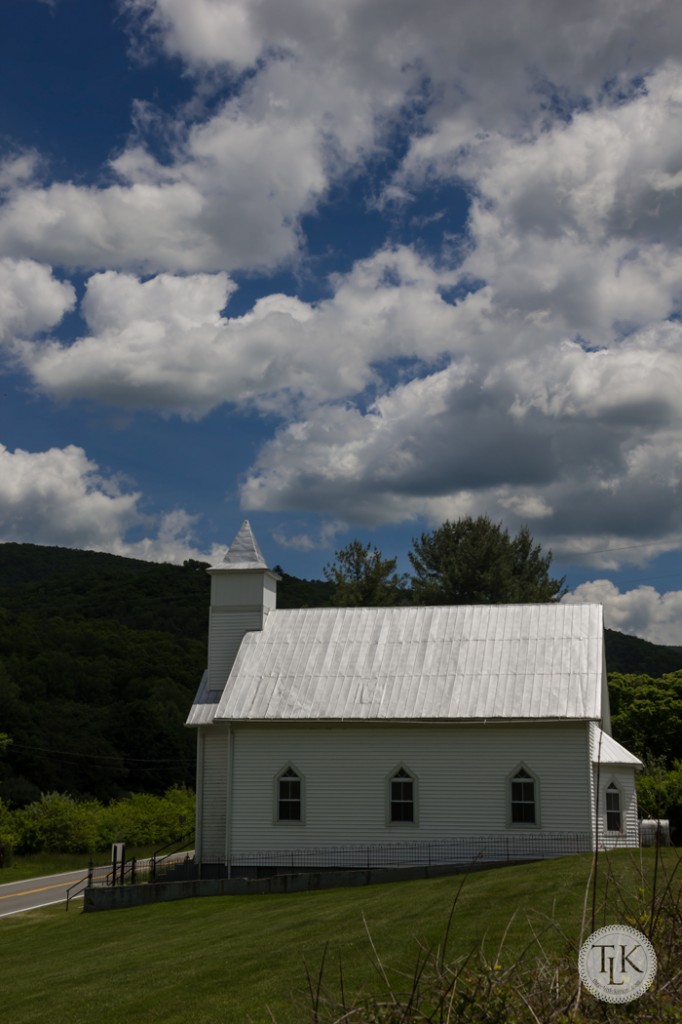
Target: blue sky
{"points": [[346, 268]]}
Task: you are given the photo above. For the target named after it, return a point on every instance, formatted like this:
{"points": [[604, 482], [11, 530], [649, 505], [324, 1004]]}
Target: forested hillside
{"points": [[100, 657]]}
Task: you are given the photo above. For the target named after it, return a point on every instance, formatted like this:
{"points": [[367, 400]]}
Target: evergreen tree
{"points": [[361, 575], [475, 561]]}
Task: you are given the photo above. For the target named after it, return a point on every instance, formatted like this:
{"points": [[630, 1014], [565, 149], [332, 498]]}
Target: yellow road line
{"points": [[28, 892]]}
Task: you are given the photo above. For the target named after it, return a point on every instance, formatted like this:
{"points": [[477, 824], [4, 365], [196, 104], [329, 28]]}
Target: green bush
{"points": [[145, 820], [659, 794], [58, 823]]}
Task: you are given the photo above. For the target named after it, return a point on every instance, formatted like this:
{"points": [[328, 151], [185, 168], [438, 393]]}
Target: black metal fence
{"points": [[495, 848], [462, 849]]}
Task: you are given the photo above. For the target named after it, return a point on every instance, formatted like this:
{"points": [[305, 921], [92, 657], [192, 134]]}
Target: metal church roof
{"points": [[460, 662], [609, 751], [205, 703]]}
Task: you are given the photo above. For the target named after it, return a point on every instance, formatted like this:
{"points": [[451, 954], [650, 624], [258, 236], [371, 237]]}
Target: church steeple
{"points": [[243, 592], [243, 552]]}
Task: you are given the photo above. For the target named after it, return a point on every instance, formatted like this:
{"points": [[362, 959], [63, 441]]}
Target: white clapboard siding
{"points": [[212, 774], [613, 763], [624, 778], [226, 630], [461, 770]]}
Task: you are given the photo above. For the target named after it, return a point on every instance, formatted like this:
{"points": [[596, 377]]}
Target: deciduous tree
{"points": [[646, 715]]}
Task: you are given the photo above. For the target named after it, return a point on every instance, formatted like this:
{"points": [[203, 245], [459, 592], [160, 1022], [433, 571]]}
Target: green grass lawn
{"points": [[236, 960]]}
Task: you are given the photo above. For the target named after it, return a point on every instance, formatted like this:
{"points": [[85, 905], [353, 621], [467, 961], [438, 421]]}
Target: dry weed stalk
{"points": [[537, 986]]}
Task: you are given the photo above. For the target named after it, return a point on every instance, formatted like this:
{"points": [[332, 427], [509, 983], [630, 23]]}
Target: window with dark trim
{"points": [[289, 796], [614, 820], [401, 799], [523, 811]]}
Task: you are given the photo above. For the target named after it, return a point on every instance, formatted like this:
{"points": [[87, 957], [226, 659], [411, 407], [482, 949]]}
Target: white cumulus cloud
{"points": [[61, 497], [527, 368], [640, 612], [166, 344], [31, 298]]}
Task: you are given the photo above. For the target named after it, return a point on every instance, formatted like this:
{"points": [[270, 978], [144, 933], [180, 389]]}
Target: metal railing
{"points": [[176, 861], [172, 858], [95, 876], [462, 849]]}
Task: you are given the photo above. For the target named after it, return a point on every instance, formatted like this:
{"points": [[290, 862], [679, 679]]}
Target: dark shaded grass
{"points": [[537, 983], [237, 960]]}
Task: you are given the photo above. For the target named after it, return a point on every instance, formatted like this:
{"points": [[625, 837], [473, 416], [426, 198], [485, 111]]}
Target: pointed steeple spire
{"points": [[243, 593], [243, 552]]}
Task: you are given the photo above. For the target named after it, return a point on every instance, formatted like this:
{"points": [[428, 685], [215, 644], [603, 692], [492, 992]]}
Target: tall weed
{"points": [[537, 987]]}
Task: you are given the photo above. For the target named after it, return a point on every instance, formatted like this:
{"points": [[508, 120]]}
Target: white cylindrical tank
{"points": [[654, 831]]}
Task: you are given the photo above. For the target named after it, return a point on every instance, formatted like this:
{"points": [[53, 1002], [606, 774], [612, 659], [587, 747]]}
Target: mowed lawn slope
{"points": [[236, 960]]}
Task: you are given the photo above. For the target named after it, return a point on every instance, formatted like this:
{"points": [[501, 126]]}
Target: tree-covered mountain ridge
{"points": [[100, 656], [69, 583]]}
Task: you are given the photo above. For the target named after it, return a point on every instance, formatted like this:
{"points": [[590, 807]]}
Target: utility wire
{"points": [[102, 757], [606, 551]]}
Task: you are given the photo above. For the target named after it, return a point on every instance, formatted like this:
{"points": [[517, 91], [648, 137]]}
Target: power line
{"points": [[101, 758], [606, 551]]}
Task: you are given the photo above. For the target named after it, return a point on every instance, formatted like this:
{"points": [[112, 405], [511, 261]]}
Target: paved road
{"points": [[31, 893]]}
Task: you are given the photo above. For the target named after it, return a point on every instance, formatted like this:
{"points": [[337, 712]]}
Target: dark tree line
{"points": [[470, 561], [94, 708], [100, 658]]}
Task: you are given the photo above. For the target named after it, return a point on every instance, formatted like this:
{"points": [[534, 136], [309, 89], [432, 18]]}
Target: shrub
{"points": [[58, 824], [145, 820], [659, 794]]}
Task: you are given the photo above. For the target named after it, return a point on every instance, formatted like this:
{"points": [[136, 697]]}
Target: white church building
{"points": [[359, 737]]}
